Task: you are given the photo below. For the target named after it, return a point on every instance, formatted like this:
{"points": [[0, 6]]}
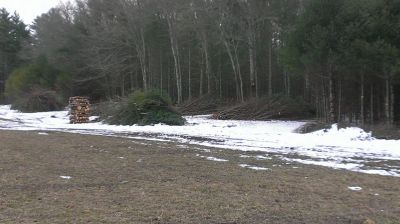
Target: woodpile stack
{"points": [[79, 110]]}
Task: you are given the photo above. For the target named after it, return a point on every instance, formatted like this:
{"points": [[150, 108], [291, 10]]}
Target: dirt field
{"points": [[117, 180]]}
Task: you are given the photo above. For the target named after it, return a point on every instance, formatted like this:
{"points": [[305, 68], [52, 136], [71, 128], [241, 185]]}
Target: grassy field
{"points": [[117, 180]]}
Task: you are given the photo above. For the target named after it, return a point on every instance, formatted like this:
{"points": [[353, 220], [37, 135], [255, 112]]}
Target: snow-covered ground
{"points": [[350, 148]]}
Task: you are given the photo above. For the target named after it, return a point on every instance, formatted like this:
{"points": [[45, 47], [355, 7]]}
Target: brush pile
{"points": [[207, 104], [275, 108], [79, 110]]}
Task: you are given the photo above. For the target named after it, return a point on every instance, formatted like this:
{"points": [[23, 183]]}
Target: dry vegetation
{"points": [[202, 105], [118, 180], [277, 107]]}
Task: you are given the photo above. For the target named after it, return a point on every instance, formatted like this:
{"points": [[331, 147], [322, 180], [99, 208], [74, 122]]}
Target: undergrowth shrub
{"points": [[37, 87], [38, 100], [39, 74], [143, 108]]}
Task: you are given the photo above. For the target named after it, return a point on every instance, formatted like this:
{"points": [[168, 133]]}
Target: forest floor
{"points": [[70, 178]]}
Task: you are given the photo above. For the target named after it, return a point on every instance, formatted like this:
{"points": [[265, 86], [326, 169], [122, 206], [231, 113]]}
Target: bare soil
{"points": [[119, 180]]}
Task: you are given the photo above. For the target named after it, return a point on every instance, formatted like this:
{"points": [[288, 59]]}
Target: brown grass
{"points": [[169, 183]]}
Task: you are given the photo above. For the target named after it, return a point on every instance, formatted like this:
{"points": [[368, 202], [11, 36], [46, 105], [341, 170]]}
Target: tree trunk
{"points": [[179, 82], [286, 82], [220, 75], [307, 86], [220, 83], [317, 107], [4, 77], [131, 78], [201, 88], [122, 85], [362, 96], [142, 59], [324, 104], [108, 86], [387, 100], [371, 116], [190, 75], [378, 111], [161, 72], [251, 44], [270, 69], [340, 101], [207, 64], [289, 84], [391, 104], [239, 75], [137, 85], [169, 77], [234, 68], [257, 83], [175, 53], [332, 115], [150, 76]]}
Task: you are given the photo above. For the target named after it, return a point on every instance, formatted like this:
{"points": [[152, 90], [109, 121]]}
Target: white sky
{"points": [[28, 10]]}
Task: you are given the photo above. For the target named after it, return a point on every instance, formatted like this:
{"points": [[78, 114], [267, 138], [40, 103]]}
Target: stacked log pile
{"points": [[79, 110]]}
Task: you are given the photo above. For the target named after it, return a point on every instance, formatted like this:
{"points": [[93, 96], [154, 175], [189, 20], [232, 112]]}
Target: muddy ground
{"points": [[119, 180]]}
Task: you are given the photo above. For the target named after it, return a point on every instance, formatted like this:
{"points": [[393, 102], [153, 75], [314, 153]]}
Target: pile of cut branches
{"points": [[206, 104], [276, 108], [38, 100]]}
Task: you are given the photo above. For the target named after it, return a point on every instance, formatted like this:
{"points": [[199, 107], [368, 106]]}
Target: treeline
{"points": [[348, 53], [341, 56], [187, 48], [13, 36]]}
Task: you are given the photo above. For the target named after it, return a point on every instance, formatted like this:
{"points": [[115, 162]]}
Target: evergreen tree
{"points": [[13, 35]]}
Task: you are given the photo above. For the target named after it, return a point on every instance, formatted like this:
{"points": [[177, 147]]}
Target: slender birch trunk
{"points": [[235, 70], [175, 53]]}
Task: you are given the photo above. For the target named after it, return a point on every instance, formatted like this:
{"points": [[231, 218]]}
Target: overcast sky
{"points": [[28, 10]]}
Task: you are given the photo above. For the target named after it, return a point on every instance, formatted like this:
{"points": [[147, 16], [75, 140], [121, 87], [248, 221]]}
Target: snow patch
{"points": [[253, 167], [333, 164], [355, 188], [348, 148], [216, 159], [263, 158], [212, 158], [65, 177], [43, 133]]}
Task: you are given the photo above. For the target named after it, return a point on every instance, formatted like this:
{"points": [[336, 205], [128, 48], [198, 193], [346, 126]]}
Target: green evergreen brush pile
{"points": [[145, 108]]}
